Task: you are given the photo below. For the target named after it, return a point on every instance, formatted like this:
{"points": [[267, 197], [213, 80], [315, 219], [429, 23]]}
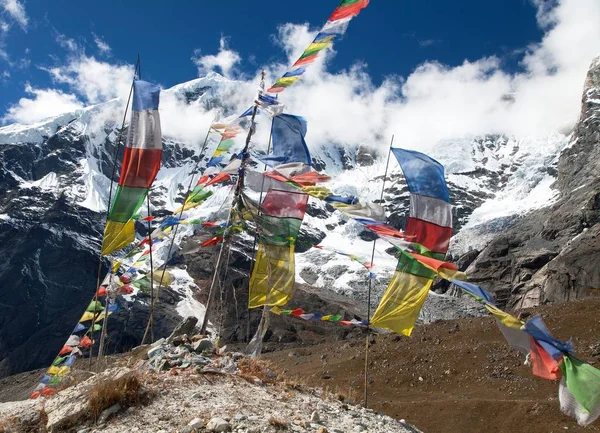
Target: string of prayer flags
{"points": [[335, 26], [141, 162], [366, 263], [429, 207]]}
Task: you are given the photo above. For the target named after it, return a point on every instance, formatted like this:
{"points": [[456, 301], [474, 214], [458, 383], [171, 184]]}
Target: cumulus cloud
{"points": [[17, 12], [94, 80], [437, 102], [44, 103], [224, 61], [103, 47]]}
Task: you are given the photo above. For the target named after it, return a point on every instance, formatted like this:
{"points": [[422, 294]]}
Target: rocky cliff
{"points": [[551, 253]]}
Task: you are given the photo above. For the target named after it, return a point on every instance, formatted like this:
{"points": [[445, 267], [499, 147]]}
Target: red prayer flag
{"points": [[350, 10], [203, 179], [433, 263], [386, 230], [220, 177], [297, 312], [301, 62], [310, 178], [212, 241], [65, 349], [542, 363], [102, 291], [86, 341], [47, 391]]}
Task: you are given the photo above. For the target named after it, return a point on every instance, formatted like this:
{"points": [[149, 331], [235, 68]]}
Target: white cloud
{"points": [[224, 60], [17, 12], [66, 43], [44, 103], [94, 80], [438, 102], [103, 47]]}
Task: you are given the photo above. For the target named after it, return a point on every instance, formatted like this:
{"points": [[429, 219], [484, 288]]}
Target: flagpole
{"points": [[371, 283], [174, 235], [262, 186], [187, 194], [150, 324], [110, 192], [236, 197]]}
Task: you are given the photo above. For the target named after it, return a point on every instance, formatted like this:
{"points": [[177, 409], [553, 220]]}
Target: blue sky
{"points": [[433, 69], [392, 37]]}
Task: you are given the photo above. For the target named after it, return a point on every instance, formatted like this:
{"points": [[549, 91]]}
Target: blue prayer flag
{"points": [[288, 141], [424, 175], [342, 199], [538, 330], [475, 290], [145, 96]]}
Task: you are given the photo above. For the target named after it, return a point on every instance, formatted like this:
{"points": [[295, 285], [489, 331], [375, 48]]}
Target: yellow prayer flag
{"points": [[318, 46], [451, 274], [53, 370], [505, 318], [276, 310], [117, 235], [63, 371], [272, 279], [86, 316], [115, 266], [401, 303], [102, 315], [286, 81]]}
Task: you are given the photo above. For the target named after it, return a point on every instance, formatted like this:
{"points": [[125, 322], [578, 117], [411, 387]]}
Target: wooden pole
{"points": [[370, 286], [236, 198], [110, 192]]}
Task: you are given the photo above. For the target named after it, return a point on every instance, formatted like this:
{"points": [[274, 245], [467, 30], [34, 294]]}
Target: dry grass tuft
{"points": [[252, 367], [8, 425], [127, 391], [279, 424]]}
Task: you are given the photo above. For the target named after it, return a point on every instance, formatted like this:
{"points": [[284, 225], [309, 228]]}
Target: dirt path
{"points": [[454, 376]]}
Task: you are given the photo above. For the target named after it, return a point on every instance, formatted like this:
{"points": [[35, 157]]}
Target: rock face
{"points": [[551, 254]]}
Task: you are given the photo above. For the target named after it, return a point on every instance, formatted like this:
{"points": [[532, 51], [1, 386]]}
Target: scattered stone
{"points": [[107, 413], [314, 417], [194, 425], [181, 339], [322, 430], [203, 345], [185, 327], [218, 425]]}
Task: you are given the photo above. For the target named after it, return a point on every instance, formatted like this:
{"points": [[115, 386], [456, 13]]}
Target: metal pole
{"points": [[370, 285]]}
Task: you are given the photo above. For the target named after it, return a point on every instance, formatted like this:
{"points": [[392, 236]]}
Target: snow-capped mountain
{"points": [[54, 182]]}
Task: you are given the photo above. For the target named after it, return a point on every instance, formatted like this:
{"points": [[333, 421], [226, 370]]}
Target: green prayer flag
{"points": [[583, 381], [59, 360], [95, 306]]}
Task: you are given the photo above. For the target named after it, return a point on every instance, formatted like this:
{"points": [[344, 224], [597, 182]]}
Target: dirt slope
{"points": [[454, 376]]}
